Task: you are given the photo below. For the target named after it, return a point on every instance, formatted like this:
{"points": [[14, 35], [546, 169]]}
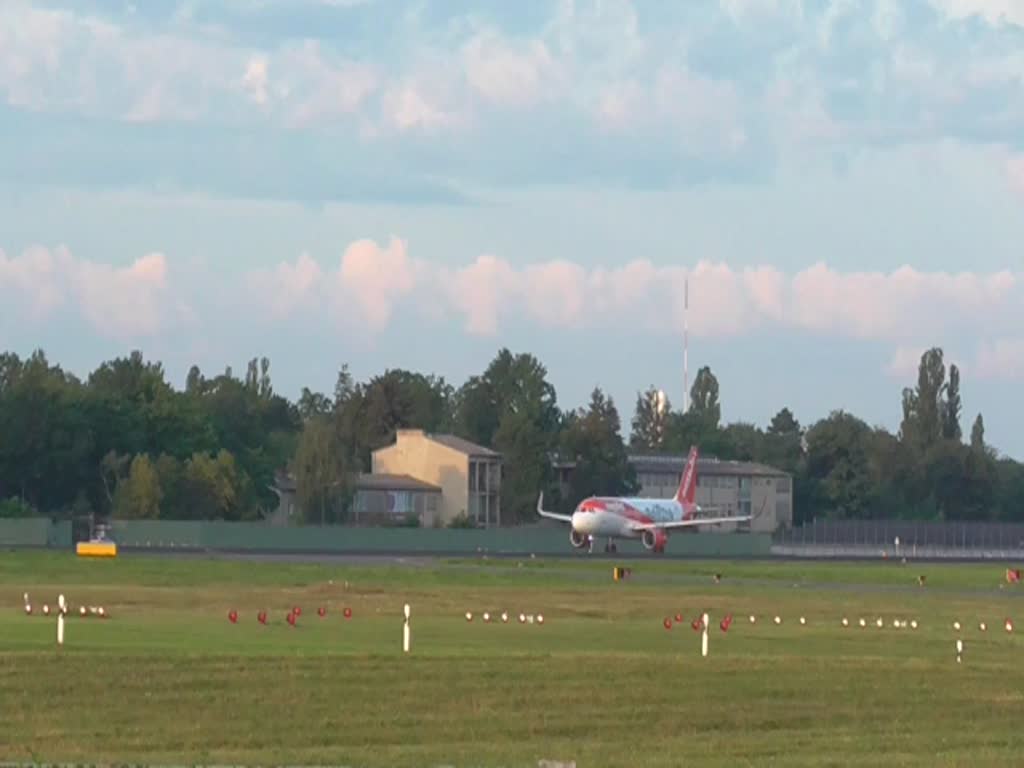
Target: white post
{"points": [[61, 609], [959, 650], [405, 630], [704, 636]]}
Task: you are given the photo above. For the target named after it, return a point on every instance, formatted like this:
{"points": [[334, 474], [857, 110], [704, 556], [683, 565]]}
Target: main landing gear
{"points": [[609, 545]]}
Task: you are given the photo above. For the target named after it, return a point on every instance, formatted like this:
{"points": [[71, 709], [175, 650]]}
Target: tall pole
{"points": [[686, 345]]}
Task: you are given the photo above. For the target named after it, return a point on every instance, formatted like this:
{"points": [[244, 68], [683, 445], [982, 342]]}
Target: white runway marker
{"points": [[405, 630], [704, 637], [62, 609]]}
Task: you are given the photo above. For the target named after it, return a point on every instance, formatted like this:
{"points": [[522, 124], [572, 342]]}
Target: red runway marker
{"points": [[233, 616]]}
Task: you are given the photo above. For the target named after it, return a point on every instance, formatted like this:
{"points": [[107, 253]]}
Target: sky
{"points": [[393, 184]]}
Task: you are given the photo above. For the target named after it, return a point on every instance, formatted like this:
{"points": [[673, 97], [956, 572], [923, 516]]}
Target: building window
{"points": [[782, 485]]}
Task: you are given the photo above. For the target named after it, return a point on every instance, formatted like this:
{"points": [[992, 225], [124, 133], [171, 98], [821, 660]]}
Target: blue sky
{"points": [[412, 184]]}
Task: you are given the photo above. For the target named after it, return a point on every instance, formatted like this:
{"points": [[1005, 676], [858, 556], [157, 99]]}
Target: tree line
{"points": [[125, 443]]}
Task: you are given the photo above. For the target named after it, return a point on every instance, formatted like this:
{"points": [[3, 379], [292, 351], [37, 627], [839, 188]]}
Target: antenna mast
{"points": [[686, 345]]}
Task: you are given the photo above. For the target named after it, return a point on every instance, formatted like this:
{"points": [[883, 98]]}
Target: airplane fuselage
{"points": [[611, 517]]}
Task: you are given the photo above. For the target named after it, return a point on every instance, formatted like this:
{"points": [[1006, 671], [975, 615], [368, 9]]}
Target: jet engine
{"points": [[577, 539], [654, 540]]}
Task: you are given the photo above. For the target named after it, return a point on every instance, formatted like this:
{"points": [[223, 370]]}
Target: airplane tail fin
{"points": [[687, 493]]}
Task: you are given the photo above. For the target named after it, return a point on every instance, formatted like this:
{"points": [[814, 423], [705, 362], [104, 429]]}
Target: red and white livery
{"points": [[647, 519]]}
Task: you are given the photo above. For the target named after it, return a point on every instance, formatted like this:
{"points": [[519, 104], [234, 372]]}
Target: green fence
{"points": [[35, 532], [256, 537]]}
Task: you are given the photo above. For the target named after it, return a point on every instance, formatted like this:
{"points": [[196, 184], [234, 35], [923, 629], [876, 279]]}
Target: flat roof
{"points": [[667, 463], [388, 482], [705, 466], [463, 446]]}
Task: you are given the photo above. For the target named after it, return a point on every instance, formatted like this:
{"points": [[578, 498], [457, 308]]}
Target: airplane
{"points": [[648, 519]]}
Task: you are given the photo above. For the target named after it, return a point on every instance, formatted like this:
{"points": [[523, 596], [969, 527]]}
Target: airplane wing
{"points": [[550, 515], [689, 523]]}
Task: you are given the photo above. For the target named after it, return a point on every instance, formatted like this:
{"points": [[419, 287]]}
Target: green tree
{"points": [[745, 442], [522, 442], [952, 407], [593, 440], [838, 462], [216, 488], [923, 407], [704, 397], [650, 420], [978, 434], [323, 471], [139, 495], [783, 442]]}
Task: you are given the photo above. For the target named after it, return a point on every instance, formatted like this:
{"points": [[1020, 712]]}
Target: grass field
{"points": [[168, 679]]}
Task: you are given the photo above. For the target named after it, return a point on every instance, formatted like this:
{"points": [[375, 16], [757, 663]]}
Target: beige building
{"points": [[730, 487], [468, 475], [387, 498]]}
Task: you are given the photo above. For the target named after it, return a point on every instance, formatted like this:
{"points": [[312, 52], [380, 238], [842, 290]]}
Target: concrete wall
{"points": [[416, 455]]}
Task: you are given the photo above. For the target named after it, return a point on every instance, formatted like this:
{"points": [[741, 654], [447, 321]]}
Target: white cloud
{"points": [[994, 12], [758, 10], [61, 60], [1001, 359], [119, 302], [510, 73], [287, 287], [905, 362], [907, 307], [374, 279], [1015, 172], [255, 79]]}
